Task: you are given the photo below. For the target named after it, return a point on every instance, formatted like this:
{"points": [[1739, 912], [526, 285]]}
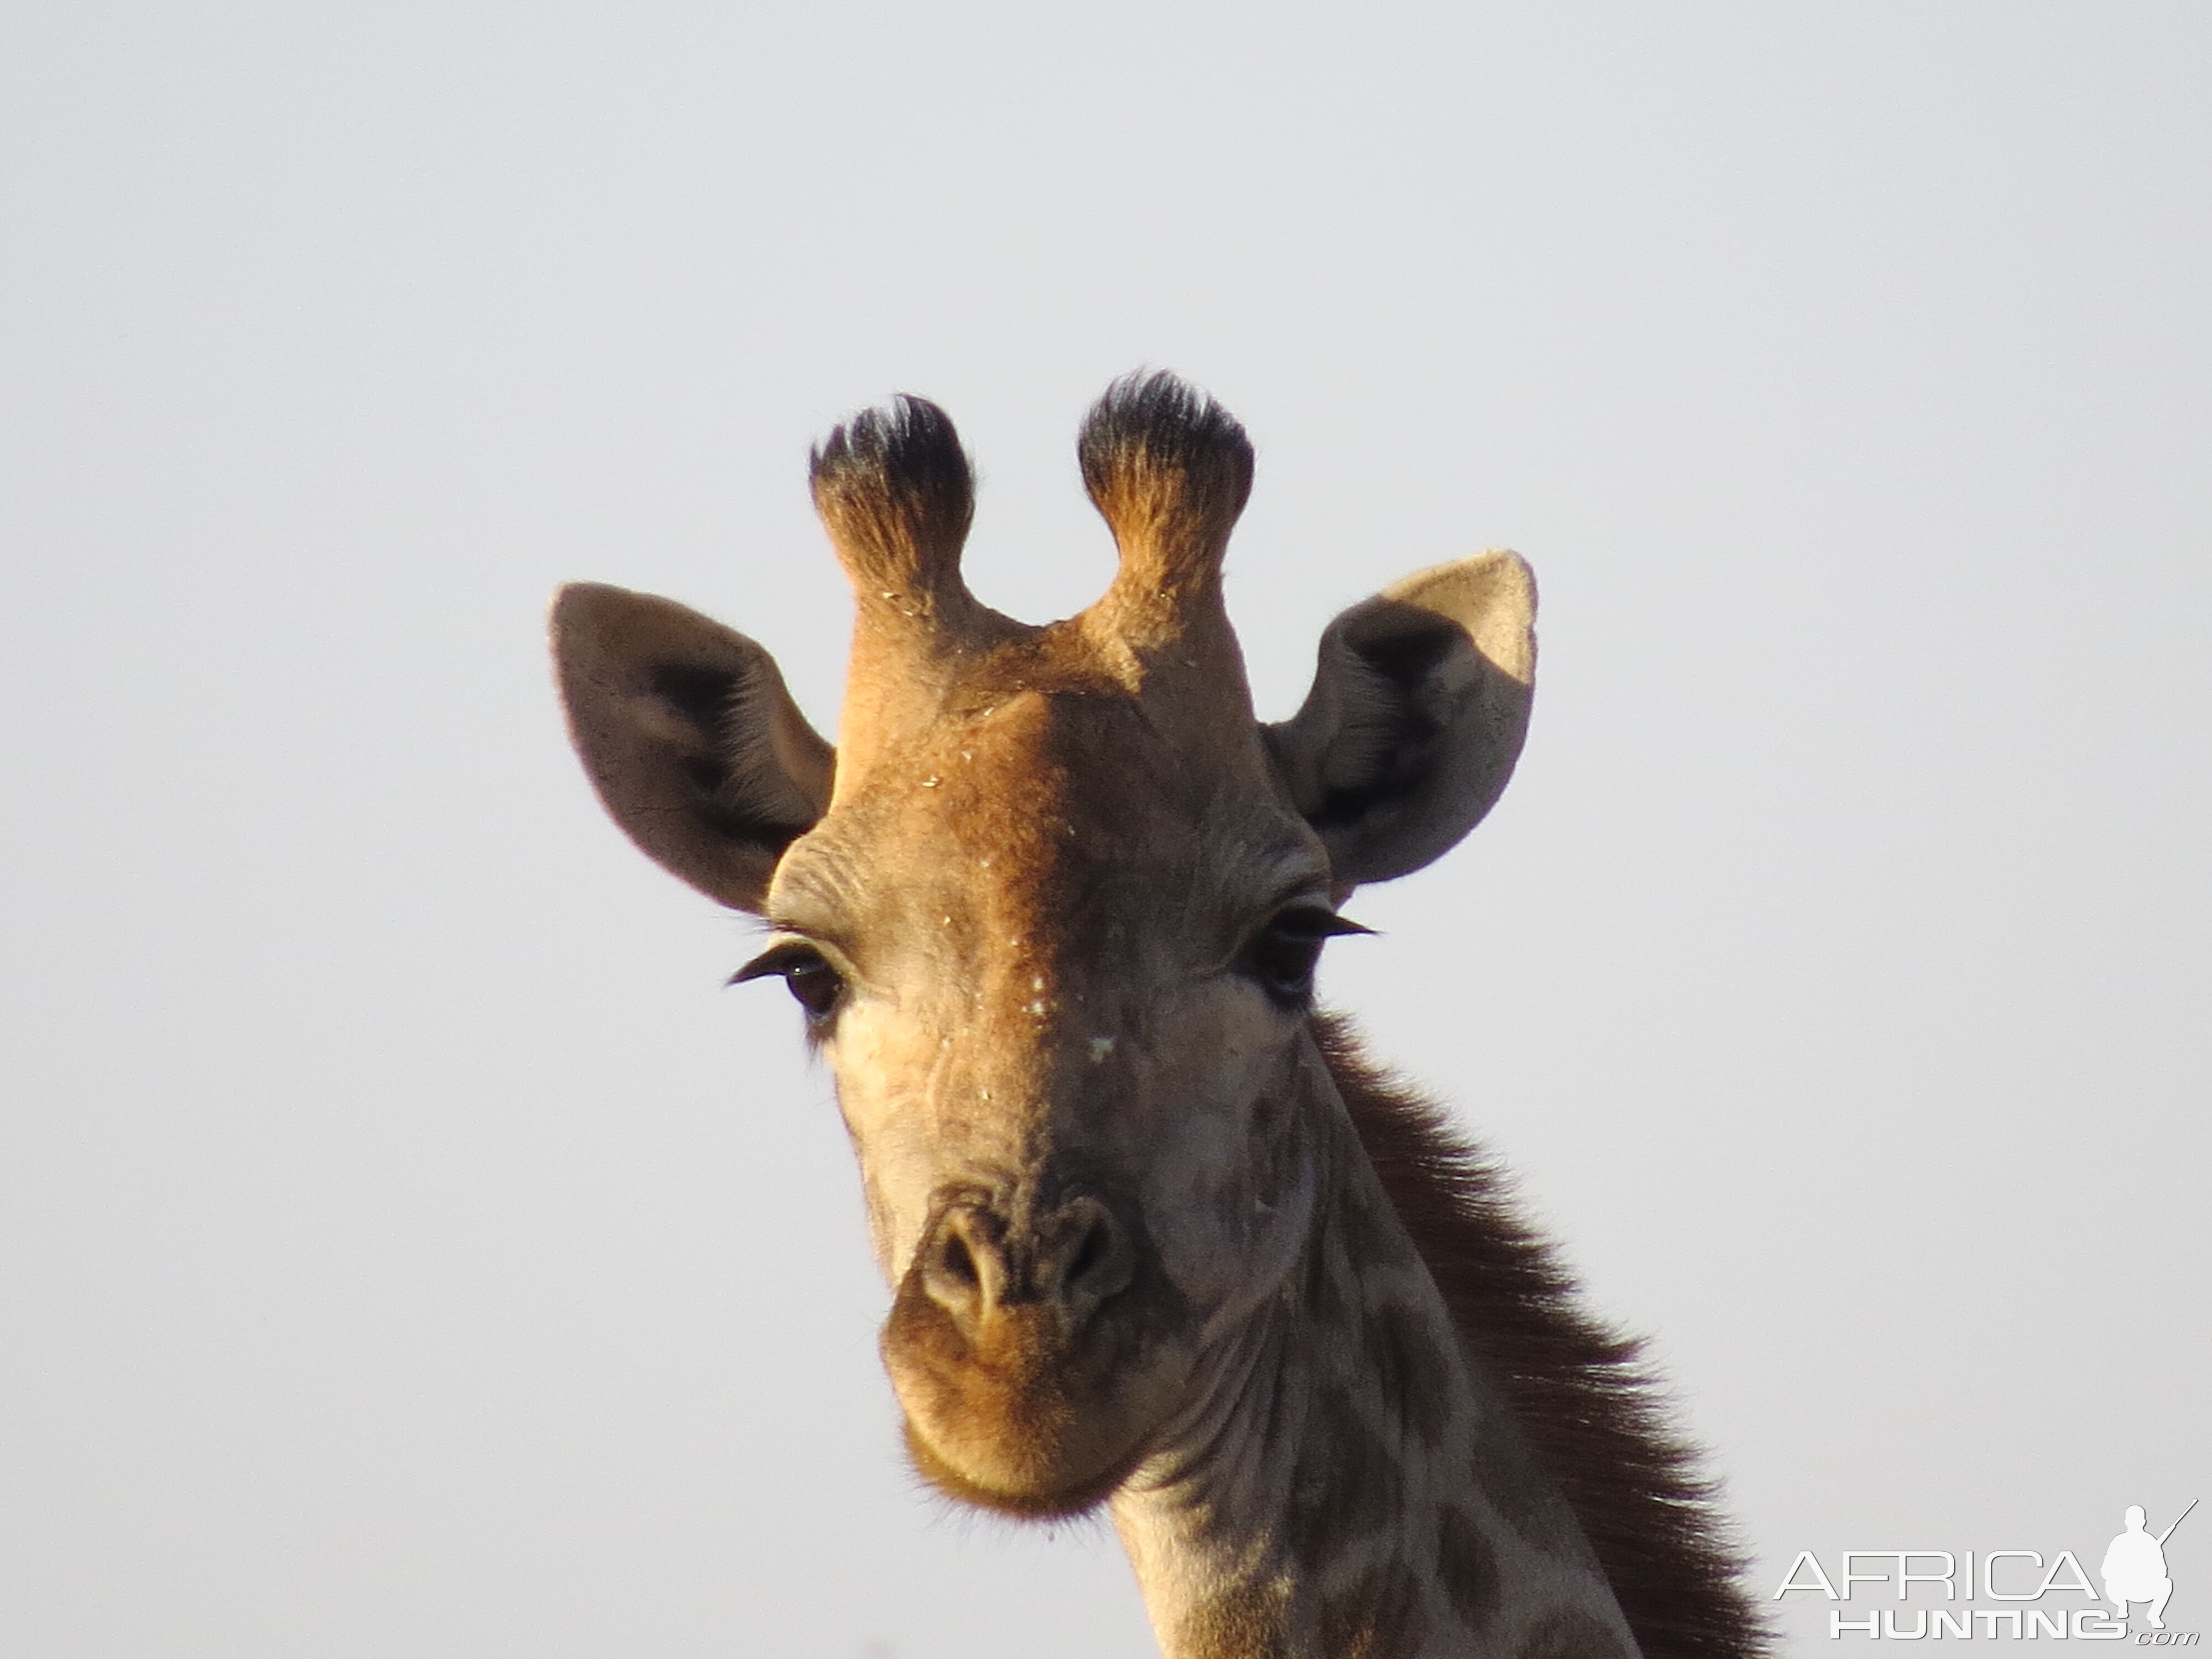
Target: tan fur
{"points": [[1155, 1236]]}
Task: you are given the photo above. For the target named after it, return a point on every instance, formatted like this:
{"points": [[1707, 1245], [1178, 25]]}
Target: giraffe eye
{"points": [[806, 973], [1281, 955]]}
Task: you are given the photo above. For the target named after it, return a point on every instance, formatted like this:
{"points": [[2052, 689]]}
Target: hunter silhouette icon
{"points": [[2134, 1566]]}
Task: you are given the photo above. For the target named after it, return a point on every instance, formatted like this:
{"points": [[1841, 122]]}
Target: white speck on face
{"points": [[1100, 1048], [1037, 984], [931, 783], [1036, 1008]]}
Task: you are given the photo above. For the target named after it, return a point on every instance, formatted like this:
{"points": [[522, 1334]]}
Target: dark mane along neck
{"points": [[1591, 1411]]}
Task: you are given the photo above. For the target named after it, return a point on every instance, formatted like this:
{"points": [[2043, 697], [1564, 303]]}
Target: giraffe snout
{"points": [[978, 1266]]}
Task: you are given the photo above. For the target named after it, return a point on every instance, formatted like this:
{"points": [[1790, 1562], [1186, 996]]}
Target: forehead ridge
{"points": [[1041, 805]]}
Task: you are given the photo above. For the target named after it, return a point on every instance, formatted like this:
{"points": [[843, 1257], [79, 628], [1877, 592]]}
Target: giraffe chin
{"points": [[1018, 1421], [1029, 1502]]}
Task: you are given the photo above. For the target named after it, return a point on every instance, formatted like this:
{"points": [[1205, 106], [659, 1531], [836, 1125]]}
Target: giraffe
{"points": [[1156, 1236]]}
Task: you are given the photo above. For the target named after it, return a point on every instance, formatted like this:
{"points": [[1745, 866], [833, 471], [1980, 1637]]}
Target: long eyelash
{"points": [[775, 960], [1329, 924]]}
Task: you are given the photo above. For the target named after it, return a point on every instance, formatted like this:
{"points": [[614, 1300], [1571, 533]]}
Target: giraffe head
{"points": [[1051, 908]]}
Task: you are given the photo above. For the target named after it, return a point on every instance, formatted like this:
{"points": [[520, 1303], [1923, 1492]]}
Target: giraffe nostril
{"points": [[965, 1268], [977, 1264], [1095, 1262], [957, 1263], [1090, 1252]]}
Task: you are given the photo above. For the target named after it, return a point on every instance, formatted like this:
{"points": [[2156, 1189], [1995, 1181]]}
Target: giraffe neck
{"points": [[1349, 1484]]}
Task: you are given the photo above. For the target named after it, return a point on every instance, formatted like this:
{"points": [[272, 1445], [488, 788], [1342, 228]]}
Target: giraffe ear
{"points": [[689, 735], [1418, 705]]}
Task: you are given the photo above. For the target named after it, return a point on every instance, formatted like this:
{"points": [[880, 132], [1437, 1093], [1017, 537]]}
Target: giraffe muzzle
{"points": [[980, 1268], [1014, 1345]]}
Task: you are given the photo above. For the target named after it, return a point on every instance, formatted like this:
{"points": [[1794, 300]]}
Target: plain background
{"points": [[406, 1247]]}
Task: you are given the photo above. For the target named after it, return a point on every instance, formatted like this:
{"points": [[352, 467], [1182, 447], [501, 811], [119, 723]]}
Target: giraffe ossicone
{"points": [[1158, 1238]]}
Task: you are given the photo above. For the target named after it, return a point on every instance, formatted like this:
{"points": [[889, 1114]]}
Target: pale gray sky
{"points": [[407, 1248]]}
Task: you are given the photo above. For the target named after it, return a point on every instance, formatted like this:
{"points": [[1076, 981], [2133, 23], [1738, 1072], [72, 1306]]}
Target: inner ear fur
{"points": [[1419, 703], [690, 736]]}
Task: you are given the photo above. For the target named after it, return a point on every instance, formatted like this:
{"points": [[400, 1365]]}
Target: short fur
{"points": [[1576, 1389], [1032, 837], [894, 490], [1169, 470]]}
